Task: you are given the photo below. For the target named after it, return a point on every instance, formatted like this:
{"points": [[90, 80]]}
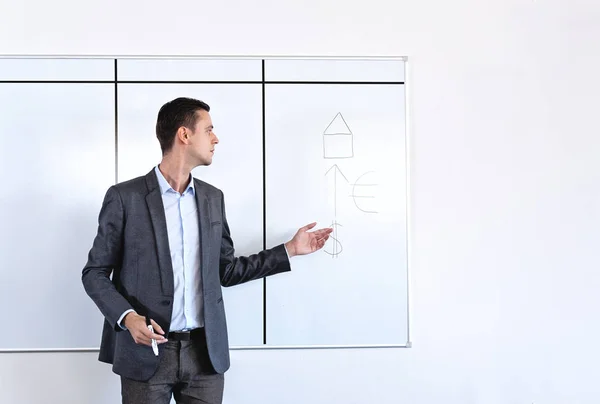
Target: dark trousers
{"points": [[184, 372]]}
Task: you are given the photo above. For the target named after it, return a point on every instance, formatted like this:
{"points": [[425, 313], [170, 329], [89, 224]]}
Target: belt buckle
{"points": [[183, 335]]}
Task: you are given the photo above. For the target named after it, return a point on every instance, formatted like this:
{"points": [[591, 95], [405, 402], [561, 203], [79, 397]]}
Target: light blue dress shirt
{"points": [[181, 213]]}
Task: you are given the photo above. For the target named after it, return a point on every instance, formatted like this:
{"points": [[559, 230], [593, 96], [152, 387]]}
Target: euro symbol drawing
{"points": [[363, 193]]}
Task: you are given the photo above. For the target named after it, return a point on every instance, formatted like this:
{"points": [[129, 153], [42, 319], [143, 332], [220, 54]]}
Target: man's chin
{"points": [[204, 162]]}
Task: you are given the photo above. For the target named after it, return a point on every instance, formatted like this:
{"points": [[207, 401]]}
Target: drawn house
{"points": [[338, 140]]}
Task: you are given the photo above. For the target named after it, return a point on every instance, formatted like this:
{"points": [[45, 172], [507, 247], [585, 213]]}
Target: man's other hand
{"points": [[136, 325]]}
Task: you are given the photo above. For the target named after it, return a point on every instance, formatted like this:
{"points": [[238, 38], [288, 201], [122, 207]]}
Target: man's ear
{"points": [[183, 135]]}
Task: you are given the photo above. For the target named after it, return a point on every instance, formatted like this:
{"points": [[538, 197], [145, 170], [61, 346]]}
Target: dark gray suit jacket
{"points": [[132, 243]]}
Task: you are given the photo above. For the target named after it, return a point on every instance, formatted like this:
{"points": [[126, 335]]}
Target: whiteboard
{"points": [[301, 140], [57, 158], [336, 155]]}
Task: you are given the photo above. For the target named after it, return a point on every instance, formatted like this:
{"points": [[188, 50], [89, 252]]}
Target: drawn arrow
{"points": [[336, 170], [337, 245]]}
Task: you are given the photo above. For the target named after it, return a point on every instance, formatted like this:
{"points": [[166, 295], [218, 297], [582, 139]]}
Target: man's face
{"points": [[203, 140]]}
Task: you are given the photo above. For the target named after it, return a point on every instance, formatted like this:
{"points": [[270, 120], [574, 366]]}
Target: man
{"points": [[164, 238]]}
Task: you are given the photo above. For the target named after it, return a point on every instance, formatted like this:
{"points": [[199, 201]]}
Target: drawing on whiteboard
{"points": [[338, 142], [363, 191], [338, 139], [335, 246], [336, 170]]}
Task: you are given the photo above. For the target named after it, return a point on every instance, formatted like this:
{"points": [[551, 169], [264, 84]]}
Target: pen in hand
{"points": [[154, 343], [140, 331]]}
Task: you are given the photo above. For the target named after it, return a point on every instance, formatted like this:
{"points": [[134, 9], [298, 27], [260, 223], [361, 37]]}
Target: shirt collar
{"points": [[165, 186]]}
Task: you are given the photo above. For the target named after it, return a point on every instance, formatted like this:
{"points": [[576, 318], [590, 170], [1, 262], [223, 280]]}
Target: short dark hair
{"points": [[175, 114]]}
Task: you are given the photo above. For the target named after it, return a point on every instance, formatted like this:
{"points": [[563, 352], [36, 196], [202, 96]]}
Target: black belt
{"points": [[191, 335]]}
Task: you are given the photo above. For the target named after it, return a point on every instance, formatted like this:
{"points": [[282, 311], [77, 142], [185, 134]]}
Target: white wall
{"points": [[504, 205]]}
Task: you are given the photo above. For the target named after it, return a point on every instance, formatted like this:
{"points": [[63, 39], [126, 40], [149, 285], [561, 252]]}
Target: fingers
{"points": [[319, 242], [321, 235], [308, 226], [143, 341], [146, 337], [323, 232], [152, 335], [142, 335], [140, 338], [324, 238], [157, 328]]}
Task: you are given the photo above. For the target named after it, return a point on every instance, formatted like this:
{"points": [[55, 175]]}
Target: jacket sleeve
{"points": [[104, 257], [236, 270]]}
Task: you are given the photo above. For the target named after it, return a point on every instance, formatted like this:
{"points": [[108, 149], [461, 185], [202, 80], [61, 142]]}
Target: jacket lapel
{"points": [[203, 204], [159, 225]]}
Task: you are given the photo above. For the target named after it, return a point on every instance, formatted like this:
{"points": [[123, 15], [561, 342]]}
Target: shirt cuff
{"points": [[122, 317]]}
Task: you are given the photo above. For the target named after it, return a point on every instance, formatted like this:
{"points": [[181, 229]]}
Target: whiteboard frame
{"points": [[408, 147]]}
